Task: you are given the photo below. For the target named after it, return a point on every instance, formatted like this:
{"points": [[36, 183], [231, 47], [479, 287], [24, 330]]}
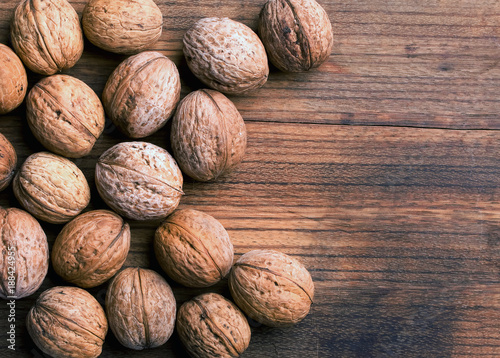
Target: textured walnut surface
{"points": [[139, 180], [141, 308], [51, 187], [8, 161], [271, 287], [141, 93], [226, 55], [122, 26], [21, 237], [297, 34], [193, 248], [211, 326], [13, 80], [91, 248], [65, 115], [68, 322], [46, 34], [208, 135]]}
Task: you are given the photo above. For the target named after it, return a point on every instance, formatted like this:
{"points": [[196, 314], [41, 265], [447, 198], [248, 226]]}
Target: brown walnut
{"points": [[208, 135], [141, 308], [91, 248], [271, 287], [226, 55], [193, 248], [51, 188], [297, 34], [25, 254], [141, 93], [65, 115], [46, 34], [67, 322], [211, 326], [122, 26], [13, 80], [8, 161], [139, 180]]}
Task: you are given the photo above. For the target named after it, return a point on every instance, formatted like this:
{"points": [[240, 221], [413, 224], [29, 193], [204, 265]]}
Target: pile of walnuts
{"points": [[142, 181]]}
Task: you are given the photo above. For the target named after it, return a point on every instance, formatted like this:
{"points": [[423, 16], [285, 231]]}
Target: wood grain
{"points": [[379, 171]]}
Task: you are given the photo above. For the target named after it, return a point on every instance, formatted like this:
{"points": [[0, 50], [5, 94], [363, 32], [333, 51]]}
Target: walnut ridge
{"points": [[141, 308], [8, 162], [193, 248], [46, 34], [91, 248], [13, 80], [141, 93]]}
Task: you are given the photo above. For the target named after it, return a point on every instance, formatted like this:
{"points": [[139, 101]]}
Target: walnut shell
{"points": [[25, 254], [141, 93], [208, 135], [141, 308], [51, 188], [65, 115], [226, 55], [297, 34], [193, 248], [139, 180], [211, 326], [13, 80], [67, 322], [271, 287], [122, 26], [47, 35], [91, 248], [8, 161]]}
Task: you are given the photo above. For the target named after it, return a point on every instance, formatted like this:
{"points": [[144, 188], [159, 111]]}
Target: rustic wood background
{"points": [[380, 171]]}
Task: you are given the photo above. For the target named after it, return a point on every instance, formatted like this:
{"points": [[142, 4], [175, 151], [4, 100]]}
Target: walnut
{"points": [[13, 80], [51, 188], [122, 26], [25, 254], [67, 322], [193, 248], [226, 55], [297, 34], [47, 35], [141, 93], [8, 161], [208, 135], [211, 326], [271, 287], [141, 308], [65, 115], [139, 180], [91, 248]]}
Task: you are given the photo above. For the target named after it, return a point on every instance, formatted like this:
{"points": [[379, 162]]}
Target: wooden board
{"points": [[379, 171]]}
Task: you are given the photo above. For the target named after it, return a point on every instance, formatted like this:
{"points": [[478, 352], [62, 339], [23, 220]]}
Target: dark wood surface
{"points": [[380, 171]]}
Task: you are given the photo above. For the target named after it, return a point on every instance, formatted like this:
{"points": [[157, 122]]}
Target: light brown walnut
{"points": [[91, 248], [46, 34], [226, 55], [51, 188], [13, 80], [297, 34], [139, 180], [193, 248], [122, 26], [141, 308], [271, 287], [67, 322], [8, 162], [141, 93], [25, 254], [208, 135], [65, 115], [210, 326]]}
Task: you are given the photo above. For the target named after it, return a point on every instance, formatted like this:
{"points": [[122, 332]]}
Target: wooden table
{"points": [[380, 171]]}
